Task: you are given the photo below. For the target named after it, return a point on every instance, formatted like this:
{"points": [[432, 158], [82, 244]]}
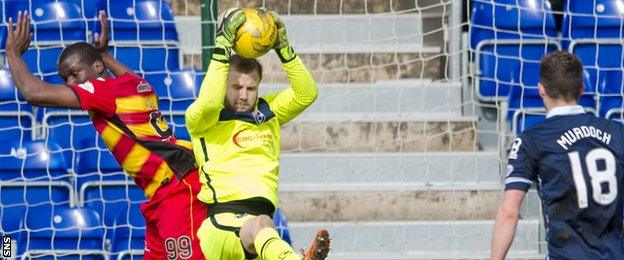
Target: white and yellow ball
{"points": [[257, 35]]}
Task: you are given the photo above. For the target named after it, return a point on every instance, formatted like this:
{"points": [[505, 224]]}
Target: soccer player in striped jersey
{"points": [[236, 140], [124, 110], [576, 161]]}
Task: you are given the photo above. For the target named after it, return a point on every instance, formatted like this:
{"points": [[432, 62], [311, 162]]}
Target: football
{"points": [[256, 35]]}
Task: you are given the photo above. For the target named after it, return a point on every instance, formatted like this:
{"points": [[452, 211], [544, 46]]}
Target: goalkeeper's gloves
{"points": [[229, 22], [282, 46]]}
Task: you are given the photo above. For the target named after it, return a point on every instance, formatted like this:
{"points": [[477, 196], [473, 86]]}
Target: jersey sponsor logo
{"points": [[244, 138], [88, 86], [144, 87], [513, 152]]}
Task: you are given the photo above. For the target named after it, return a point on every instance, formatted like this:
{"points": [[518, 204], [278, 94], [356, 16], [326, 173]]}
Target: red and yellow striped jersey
{"points": [[124, 110]]}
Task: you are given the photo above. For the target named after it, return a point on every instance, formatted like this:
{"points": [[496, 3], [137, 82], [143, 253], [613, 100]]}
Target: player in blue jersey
{"points": [[576, 161]]}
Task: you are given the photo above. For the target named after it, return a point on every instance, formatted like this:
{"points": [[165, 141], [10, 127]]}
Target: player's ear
{"points": [[99, 66], [540, 88]]}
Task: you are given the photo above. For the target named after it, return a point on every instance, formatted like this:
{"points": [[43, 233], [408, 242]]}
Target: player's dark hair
{"points": [[88, 53], [561, 73], [245, 65]]}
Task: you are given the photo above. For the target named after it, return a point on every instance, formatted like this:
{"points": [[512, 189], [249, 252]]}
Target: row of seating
{"points": [[74, 20], [37, 192], [509, 38]]}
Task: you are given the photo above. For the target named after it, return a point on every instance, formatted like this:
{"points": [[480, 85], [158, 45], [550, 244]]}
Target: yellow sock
{"points": [[270, 246]]}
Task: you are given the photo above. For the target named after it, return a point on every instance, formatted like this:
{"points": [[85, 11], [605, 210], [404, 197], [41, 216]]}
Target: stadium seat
{"points": [[32, 161], [63, 231], [31, 177], [90, 8], [148, 58], [590, 20], [507, 34], [98, 160], [53, 21], [128, 233], [142, 21], [16, 117], [610, 94], [42, 60], [72, 130], [109, 197], [176, 90], [592, 30]]}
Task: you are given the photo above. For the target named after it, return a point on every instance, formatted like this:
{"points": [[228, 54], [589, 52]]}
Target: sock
{"points": [[270, 246]]}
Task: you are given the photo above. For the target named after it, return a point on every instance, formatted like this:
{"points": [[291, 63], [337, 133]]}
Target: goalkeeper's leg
{"points": [[258, 236]]}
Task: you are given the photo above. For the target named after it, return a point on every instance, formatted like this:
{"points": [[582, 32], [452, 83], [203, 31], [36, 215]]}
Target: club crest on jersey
{"points": [[258, 117], [144, 87]]}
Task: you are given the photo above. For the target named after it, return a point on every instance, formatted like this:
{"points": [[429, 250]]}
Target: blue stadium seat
{"points": [[54, 78], [32, 161], [31, 177], [507, 34], [128, 234], [90, 8], [109, 197], [610, 94], [53, 21], [16, 117], [63, 231], [592, 30], [148, 58], [176, 90], [98, 160], [591, 20], [525, 106], [42, 60], [142, 20], [72, 130]]}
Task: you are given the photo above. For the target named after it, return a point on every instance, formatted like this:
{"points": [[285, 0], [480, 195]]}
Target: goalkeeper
{"points": [[236, 140]]}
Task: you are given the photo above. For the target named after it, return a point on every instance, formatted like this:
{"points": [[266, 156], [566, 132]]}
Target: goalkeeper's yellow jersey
{"points": [[239, 152]]}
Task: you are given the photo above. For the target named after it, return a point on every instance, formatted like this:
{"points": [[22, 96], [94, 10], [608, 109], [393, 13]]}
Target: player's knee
{"points": [[250, 229], [264, 221]]}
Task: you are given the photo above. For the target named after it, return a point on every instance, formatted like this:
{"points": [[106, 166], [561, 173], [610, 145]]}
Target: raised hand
{"points": [[100, 41], [229, 22], [18, 37], [282, 46]]}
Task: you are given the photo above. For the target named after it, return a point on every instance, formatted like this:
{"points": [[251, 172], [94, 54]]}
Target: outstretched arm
{"points": [[506, 222], [35, 91], [292, 101], [204, 112], [100, 42]]}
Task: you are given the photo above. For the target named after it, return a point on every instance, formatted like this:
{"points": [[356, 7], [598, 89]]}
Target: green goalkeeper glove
{"points": [[282, 46], [229, 22]]}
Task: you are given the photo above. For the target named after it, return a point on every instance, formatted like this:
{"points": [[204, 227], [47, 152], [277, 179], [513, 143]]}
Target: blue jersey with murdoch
{"points": [[576, 161]]}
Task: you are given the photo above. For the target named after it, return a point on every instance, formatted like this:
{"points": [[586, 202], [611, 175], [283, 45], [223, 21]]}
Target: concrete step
{"points": [[390, 205], [417, 239], [359, 67], [392, 98], [399, 205], [389, 171], [380, 135]]}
